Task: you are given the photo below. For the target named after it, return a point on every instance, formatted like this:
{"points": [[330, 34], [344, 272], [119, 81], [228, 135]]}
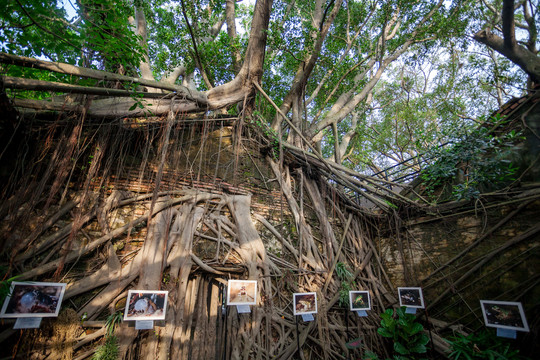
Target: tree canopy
{"points": [[367, 83]]}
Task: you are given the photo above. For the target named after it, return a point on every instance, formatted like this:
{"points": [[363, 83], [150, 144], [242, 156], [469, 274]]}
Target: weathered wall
{"points": [[510, 275]]}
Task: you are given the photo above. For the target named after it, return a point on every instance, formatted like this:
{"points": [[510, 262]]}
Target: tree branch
{"points": [[63, 68], [198, 60], [146, 70], [527, 60], [508, 24], [231, 31]]}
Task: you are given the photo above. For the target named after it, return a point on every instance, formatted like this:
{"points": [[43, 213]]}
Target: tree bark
{"points": [[231, 31]]}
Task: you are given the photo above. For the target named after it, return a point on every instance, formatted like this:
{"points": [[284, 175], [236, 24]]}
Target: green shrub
{"points": [[482, 345], [406, 333], [478, 162]]}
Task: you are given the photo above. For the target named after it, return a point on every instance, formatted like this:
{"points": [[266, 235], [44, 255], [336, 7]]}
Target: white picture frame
{"points": [[146, 305], [504, 315], [359, 300], [411, 297], [242, 292], [33, 300], [305, 303]]}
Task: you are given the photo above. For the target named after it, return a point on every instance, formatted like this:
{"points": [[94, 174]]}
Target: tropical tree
{"points": [[361, 83], [322, 63]]}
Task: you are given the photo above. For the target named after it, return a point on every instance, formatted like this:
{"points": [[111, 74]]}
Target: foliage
{"points": [[107, 351], [345, 276], [407, 335], [479, 161], [481, 345], [112, 321], [260, 124], [100, 30]]}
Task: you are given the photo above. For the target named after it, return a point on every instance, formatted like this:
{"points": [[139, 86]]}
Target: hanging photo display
{"points": [[242, 292], [411, 297], [33, 300], [146, 305], [359, 300], [305, 303], [504, 315]]}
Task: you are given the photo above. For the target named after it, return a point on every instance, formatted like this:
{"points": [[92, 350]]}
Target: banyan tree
{"points": [[115, 181]]}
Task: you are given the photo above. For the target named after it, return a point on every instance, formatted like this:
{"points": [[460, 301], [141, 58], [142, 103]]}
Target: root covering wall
{"points": [[184, 204], [184, 208]]}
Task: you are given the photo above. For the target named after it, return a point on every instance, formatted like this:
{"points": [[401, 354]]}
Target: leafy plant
{"points": [[259, 123], [345, 276], [112, 321], [477, 162], [107, 351], [481, 345], [406, 333]]}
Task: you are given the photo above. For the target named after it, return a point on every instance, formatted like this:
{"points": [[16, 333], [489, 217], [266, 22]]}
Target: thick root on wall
{"points": [[198, 323]]}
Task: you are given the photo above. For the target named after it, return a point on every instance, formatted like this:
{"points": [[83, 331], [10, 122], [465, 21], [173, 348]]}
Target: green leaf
{"points": [[384, 332], [424, 339], [399, 348], [419, 348], [415, 328]]}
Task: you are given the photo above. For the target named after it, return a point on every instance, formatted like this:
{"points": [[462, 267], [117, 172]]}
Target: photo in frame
{"points": [[305, 303], [146, 305], [504, 315], [411, 297], [242, 292], [359, 300], [33, 299]]}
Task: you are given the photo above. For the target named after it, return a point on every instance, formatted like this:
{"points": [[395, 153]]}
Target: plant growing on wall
{"points": [[479, 161], [406, 333], [345, 276]]}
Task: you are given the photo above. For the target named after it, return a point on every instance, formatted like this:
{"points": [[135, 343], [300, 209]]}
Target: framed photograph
{"points": [[242, 292], [33, 299], [146, 305], [504, 315], [305, 303], [411, 297], [359, 300]]}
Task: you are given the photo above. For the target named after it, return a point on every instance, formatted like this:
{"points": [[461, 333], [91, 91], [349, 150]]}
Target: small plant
{"points": [[406, 333], [109, 350], [259, 122], [112, 321], [345, 276], [481, 345]]}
